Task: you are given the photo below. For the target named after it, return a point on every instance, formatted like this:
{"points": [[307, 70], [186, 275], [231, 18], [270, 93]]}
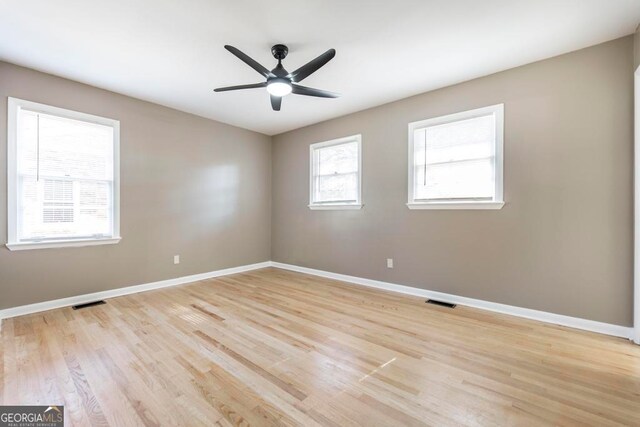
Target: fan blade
{"points": [[248, 60], [312, 66], [276, 101], [309, 91], [251, 86]]}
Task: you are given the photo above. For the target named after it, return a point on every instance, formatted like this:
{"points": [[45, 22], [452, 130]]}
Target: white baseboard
{"points": [[542, 316], [81, 299], [558, 319]]}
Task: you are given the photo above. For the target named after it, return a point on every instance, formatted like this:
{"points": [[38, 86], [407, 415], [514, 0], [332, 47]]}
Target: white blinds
{"points": [[456, 160], [65, 178], [335, 173]]}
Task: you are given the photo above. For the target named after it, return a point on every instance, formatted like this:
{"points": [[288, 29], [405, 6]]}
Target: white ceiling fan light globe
{"points": [[279, 88]]}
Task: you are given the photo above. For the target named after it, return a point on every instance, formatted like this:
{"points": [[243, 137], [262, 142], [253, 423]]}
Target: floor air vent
{"points": [[88, 304], [440, 303]]}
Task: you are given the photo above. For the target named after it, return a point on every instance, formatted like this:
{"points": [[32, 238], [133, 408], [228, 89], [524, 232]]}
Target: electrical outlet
{"points": [[389, 262], [176, 259]]}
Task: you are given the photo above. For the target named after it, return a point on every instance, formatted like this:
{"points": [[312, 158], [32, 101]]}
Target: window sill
{"points": [[456, 205], [21, 246], [336, 207]]}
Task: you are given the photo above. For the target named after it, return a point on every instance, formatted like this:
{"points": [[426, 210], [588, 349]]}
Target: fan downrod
{"points": [[279, 51]]}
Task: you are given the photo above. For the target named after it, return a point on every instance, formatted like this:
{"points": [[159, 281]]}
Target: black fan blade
{"points": [[251, 86], [248, 60], [309, 91], [312, 66], [276, 101]]}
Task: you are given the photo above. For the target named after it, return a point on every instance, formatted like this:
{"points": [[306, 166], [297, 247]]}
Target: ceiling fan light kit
{"points": [[279, 82], [279, 87]]}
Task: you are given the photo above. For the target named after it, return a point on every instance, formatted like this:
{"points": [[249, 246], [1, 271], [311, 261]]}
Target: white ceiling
{"points": [[171, 51]]}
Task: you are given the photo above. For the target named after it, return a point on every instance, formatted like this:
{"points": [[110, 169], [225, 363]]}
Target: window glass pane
{"points": [[65, 178], [27, 143], [343, 187], [64, 209], [341, 158], [75, 149], [335, 173], [455, 160], [456, 180]]}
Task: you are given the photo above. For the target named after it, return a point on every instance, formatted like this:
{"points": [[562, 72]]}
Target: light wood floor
{"points": [[276, 347]]}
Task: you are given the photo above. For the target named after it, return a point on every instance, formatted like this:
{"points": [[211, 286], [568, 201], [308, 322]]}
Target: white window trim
{"points": [[14, 105], [336, 206], [498, 201]]}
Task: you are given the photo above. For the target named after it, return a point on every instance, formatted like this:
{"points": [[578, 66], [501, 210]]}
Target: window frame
{"points": [[357, 204], [498, 200], [14, 106]]}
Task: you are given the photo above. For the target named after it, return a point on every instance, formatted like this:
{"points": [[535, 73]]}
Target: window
{"points": [[63, 177], [455, 161], [335, 174]]}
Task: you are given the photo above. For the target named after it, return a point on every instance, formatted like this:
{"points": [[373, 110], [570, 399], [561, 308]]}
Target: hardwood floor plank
{"points": [[274, 347]]}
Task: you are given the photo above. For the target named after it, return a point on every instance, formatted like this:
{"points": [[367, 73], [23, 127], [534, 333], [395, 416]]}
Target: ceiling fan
{"points": [[280, 82]]}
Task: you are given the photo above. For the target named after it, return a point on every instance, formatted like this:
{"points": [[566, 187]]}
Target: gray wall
{"points": [[189, 186], [563, 241]]}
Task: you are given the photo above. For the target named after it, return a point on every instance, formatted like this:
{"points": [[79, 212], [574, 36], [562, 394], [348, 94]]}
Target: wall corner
{"points": [[636, 49]]}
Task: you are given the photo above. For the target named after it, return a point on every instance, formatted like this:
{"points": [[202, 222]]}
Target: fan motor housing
{"points": [[279, 51]]}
